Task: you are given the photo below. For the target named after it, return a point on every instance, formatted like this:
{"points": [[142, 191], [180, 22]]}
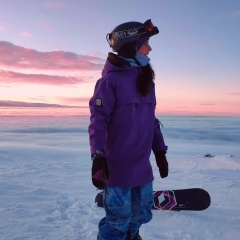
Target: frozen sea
{"points": [[46, 190]]}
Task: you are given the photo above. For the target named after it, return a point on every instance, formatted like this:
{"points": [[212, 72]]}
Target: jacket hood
{"points": [[116, 64]]}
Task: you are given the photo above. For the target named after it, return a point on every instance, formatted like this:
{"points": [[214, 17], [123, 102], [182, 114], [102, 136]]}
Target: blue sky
{"points": [[196, 55]]}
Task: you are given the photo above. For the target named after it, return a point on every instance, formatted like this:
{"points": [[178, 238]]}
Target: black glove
{"points": [[162, 163], [99, 172]]}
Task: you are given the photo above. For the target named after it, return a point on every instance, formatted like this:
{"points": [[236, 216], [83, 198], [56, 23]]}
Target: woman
{"points": [[123, 130]]}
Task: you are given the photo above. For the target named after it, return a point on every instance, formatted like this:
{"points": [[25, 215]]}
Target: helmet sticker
{"points": [[127, 33]]}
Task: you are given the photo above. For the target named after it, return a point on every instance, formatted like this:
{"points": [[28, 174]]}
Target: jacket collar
{"points": [[117, 61]]}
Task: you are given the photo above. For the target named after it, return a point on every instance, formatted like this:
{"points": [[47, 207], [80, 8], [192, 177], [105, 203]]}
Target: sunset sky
{"points": [[52, 53]]}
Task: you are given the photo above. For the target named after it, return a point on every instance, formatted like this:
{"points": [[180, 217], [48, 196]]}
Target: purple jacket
{"points": [[123, 124]]}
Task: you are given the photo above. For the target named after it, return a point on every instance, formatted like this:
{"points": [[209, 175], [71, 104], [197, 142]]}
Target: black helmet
{"points": [[123, 38]]}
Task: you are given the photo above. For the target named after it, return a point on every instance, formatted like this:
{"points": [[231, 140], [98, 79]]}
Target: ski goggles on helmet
{"points": [[148, 29]]}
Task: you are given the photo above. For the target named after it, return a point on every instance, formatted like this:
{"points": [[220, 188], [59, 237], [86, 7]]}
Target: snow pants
{"points": [[126, 210]]}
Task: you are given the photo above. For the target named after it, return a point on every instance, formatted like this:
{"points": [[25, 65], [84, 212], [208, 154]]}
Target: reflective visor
{"points": [[148, 29]]}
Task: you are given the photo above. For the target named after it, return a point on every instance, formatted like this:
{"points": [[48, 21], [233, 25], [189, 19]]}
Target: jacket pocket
{"points": [[137, 99]]}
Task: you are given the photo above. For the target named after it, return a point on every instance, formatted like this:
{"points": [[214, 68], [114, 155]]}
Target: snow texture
{"points": [[46, 190]]}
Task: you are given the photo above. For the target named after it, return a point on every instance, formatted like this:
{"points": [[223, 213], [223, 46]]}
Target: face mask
{"points": [[143, 60]]}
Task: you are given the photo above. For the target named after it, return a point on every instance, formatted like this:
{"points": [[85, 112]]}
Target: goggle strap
{"points": [[148, 29], [108, 37], [127, 33]]}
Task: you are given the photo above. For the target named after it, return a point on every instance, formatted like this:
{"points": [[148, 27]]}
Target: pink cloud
{"points": [[26, 34], [15, 77], [45, 26], [74, 100], [234, 93], [17, 57], [30, 104], [207, 104]]}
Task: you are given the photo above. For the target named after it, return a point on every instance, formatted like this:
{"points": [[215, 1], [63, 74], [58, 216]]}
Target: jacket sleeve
{"points": [[158, 140], [101, 105]]}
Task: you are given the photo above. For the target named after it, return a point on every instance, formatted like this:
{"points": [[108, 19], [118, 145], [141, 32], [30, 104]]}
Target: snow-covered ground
{"points": [[46, 190]]}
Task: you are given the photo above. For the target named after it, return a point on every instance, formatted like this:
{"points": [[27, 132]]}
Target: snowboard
{"points": [[192, 199]]}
